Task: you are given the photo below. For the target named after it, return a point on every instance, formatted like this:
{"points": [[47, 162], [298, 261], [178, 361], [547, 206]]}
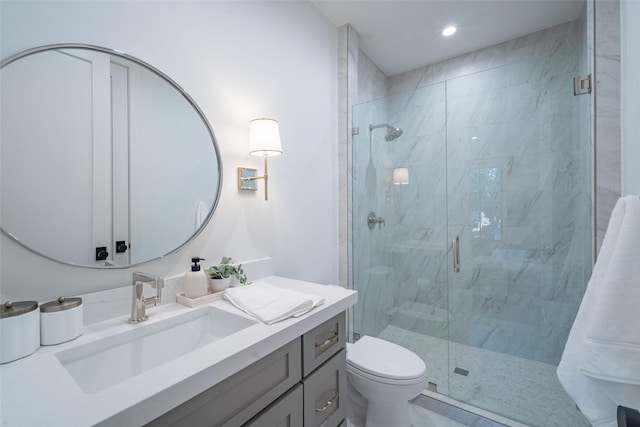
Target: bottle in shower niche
{"points": [[195, 281]]}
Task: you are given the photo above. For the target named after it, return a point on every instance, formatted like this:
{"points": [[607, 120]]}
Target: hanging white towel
{"points": [[270, 303], [600, 366]]}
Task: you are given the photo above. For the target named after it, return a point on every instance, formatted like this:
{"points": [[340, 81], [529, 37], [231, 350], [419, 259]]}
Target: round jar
{"points": [[60, 320], [19, 330]]}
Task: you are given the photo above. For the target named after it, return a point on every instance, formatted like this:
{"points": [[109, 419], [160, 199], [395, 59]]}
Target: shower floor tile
{"points": [[523, 390]]}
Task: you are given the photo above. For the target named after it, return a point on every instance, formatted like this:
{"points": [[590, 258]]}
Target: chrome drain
{"points": [[461, 371]]}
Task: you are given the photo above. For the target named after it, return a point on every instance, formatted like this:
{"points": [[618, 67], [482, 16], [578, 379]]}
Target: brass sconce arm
{"points": [[243, 178]]}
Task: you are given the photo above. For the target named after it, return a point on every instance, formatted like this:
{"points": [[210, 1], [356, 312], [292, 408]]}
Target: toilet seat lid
{"points": [[384, 359]]}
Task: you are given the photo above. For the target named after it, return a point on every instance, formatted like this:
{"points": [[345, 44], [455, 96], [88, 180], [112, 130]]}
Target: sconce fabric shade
{"points": [[401, 176], [264, 138]]}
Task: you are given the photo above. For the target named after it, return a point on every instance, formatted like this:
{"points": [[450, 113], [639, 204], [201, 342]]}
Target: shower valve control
{"points": [[372, 220]]}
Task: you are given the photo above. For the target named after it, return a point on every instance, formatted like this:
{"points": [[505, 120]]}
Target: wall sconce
{"points": [[264, 140], [401, 176]]}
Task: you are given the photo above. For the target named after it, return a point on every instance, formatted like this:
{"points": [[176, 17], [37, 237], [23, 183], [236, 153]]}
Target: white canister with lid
{"points": [[60, 320], [19, 330]]}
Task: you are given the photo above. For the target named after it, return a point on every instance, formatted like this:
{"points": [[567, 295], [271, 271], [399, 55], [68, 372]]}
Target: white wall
{"points": [[630, 89], [238, 60]]}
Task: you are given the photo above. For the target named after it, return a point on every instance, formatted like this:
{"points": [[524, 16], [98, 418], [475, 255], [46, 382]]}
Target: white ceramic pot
{"points": [[60, 320], [219, 285], [19, 330]]}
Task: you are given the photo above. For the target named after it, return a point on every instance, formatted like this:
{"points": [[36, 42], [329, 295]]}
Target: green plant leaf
{"points": [[227, 267]]}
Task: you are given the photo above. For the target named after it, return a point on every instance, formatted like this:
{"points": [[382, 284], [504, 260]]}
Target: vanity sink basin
{"points": [[98, 365]]}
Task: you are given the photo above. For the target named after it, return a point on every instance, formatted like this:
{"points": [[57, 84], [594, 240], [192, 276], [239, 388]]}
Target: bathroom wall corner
{"points": [[607, 113], [347, 96]]}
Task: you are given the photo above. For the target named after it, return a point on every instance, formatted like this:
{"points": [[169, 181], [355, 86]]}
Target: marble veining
{"points": [[496, 382], [372, 82], [479, 144], [498, 155], [607, 112]]}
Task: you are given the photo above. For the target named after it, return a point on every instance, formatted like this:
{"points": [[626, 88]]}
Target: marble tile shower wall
{"points": [[528, 165], [373, 276], [607, 91]]}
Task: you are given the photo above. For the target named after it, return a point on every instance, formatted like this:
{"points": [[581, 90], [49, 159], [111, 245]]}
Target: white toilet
{"points": [[388, 376]]}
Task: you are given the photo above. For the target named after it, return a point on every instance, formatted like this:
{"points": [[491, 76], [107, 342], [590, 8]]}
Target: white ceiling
{"points": [[401, 35]]}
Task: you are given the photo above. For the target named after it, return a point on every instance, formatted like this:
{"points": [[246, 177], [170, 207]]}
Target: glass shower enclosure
{"points": [[472, 230]]}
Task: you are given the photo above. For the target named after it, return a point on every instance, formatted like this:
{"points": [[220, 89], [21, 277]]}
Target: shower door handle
{"points": [[456, 254]]}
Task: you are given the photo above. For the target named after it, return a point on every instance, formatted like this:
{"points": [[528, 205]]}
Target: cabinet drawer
{"points": [[322, 342], [325, 393], [240, 397], [284, 412]]}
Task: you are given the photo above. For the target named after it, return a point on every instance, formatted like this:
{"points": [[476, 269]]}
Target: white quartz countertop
{"points": [[38, 391]]}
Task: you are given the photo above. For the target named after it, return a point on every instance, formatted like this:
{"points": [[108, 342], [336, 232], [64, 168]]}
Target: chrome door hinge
{"points": [[582, 85], [355, 131]]}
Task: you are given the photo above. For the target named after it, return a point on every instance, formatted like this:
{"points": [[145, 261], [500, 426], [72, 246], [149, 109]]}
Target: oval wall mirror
{"points": [[105, 161]]}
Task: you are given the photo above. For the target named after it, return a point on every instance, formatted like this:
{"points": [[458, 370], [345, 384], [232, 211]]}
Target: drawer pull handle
{"points": [[328, 341], [329, 402]]}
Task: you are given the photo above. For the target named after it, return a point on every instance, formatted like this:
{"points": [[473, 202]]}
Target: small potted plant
{"points": [[220, 275]]}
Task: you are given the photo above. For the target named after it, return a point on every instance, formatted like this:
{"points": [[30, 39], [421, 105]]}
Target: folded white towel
{"points": [[600, 365], [271, 303]]}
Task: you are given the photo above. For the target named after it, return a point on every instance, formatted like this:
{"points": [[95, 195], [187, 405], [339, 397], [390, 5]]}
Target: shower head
{"points": [[392, 133]]}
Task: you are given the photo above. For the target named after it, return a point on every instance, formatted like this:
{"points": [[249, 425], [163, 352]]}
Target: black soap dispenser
{"points": [[195, 281]]}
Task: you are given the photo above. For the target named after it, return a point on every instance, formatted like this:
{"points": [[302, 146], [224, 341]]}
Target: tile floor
{"points": [[419, 417], [522, 390], [429, 412]]}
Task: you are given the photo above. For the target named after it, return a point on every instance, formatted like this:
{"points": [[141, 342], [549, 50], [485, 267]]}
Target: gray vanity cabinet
{"points": [[301, 384], [325, 393], [285, 412], [324, 371], [322, 342], [235, 400]]}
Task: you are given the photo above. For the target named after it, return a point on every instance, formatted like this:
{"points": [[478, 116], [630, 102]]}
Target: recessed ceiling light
{"points": [[449, 31]]}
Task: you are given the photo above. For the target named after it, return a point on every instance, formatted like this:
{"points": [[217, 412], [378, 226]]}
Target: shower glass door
{"points": [[499, 162], [518, 199]]}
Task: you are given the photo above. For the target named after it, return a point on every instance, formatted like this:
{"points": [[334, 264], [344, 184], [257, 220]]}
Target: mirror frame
{"points": [[177, 87]]}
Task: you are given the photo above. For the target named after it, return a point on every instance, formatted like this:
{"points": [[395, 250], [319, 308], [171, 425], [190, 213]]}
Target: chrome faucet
{"points": [[138, 302]]}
